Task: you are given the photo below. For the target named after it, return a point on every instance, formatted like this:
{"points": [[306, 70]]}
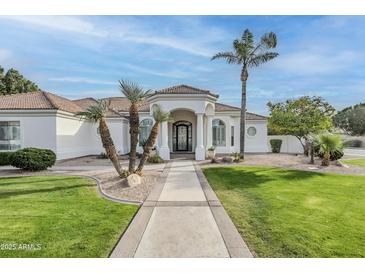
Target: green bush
{"points": [[236, 156], [275, 145], [33, 159], [155, 159], [334, 155], [5, 158]]}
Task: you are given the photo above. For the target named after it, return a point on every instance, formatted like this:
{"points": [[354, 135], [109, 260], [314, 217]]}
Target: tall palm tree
{"points": [[135, 94], [328, 144], [96, 114], [248, 54], [159, 116]]}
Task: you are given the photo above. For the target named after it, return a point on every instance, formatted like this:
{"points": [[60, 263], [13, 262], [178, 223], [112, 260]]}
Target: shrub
{"points": [[335, 153], [102, 156], [155, 159], [33, 159], [5, 158], [275, 145], [212, 148], [236, 156]]}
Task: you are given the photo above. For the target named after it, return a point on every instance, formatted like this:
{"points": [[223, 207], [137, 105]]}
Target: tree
{"points": [[301, 118], [135, 94], [97, 114], [351, 119], [159, 116], [329, 144], [13, 82], [248, 54]]}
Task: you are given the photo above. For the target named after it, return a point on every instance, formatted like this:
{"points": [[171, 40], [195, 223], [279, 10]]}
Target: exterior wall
{"points": [[290, 144], [36, 129], [76, 138]]}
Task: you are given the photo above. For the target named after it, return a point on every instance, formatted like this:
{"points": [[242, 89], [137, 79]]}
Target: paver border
{"points": [[130, 239], [236, 246]]}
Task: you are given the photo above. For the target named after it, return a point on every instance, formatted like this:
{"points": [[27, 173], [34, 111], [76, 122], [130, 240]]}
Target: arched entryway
{"points": [[182, 136]]}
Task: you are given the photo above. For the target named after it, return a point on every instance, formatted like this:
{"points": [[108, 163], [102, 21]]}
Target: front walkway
{"points": [[182, 217]]}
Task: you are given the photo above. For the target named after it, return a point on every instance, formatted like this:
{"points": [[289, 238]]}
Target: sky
{"points": [[85, 56]]}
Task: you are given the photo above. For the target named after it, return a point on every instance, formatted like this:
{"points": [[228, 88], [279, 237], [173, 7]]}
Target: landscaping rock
{"points": [[227, 159], [134, 180]]}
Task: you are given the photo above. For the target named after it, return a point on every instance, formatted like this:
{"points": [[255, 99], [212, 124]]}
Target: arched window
{"points": [[145, 127], [219, 133]]}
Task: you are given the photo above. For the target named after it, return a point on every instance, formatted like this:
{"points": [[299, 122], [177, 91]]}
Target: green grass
{"points": [[356, 162], [64, 215], [290, 213]]}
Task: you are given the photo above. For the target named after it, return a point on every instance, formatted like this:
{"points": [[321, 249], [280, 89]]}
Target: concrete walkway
{"points": [[181, 218]]}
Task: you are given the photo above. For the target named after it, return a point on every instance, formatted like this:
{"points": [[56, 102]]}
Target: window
{"points": [[251, 131], [219, 133], [232, 136], [145, 127], [9, 135]]}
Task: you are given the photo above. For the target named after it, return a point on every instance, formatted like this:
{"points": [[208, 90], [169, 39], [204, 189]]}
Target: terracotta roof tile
{"points": [[185, 89]]}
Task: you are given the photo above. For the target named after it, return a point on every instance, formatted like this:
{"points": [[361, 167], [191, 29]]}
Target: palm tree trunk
{"points": [[326, 159], [133, 131], [148, 146], [108, 145], [244, 77]]}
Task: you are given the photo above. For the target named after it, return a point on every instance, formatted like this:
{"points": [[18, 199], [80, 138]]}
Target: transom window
{"points": [[219, 133], [9, 135], [145, 127]]}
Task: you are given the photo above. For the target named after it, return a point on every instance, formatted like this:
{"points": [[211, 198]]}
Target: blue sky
{"points": [[84, 56]]}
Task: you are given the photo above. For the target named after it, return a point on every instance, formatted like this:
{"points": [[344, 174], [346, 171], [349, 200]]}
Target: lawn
{"points": [[60, 216], [356, 162], [290, 213]]}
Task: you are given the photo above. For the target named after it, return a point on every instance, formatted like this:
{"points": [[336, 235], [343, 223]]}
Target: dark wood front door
{"points": [[182, 136]]}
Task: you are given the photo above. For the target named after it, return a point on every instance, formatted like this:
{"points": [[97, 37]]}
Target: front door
{"points": [[182, 136]]}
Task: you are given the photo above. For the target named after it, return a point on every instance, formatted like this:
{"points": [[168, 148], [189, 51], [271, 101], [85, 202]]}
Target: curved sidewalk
{"points": [[181, 218]]}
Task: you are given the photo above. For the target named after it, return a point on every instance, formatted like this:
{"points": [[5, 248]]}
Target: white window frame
{"points": [[145, 126], [220, 135], [13, 141]]}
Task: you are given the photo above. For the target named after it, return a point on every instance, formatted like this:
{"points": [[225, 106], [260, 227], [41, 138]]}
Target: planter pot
{"points": [[211, 154]]}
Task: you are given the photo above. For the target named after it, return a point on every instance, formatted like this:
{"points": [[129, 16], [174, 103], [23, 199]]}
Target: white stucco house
{"points": [[45, 120]]}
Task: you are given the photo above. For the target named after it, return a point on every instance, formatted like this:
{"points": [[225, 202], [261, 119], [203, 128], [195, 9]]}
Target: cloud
{"points": [[4, 54], [82, 80], [171, 73]]}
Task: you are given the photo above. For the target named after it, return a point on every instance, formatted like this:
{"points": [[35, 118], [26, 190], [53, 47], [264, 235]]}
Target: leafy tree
{"points": [[96, 114], [351, 119], [329, 144], [301, 118], [135, 94], [248, 54], [159, 116], [13, 82]]}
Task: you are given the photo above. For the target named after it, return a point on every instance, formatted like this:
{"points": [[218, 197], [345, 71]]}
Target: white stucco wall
{"points": [[37, 129], [290, 144]]}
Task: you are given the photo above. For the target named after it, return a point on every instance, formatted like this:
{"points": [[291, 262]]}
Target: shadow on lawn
{"points": [[242, 177], [4, 195], [33, 180]]}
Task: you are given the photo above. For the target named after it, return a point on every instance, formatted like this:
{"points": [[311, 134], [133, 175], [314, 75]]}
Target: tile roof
{"points": [[86, 102], [249, 115], [121, 104], [185, 89]]}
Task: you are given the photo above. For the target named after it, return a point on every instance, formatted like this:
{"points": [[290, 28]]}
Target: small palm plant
{"points": [[328, 144], [136, 95], [96, 114], [248, 54], [159, 116]]}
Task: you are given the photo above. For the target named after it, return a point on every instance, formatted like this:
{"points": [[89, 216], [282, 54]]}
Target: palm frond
{"points": [[329, 143], [159, 115], [269, 40], [94, 112], [247, 39], [230, 57], [132, 91], [262, 58]]}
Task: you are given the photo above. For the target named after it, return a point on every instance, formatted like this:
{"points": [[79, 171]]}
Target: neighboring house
{"points": [[42, 119]]}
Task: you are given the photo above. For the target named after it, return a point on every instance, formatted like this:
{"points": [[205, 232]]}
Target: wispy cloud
{"points": [[5, 54], [82, 80], [170, 73]]}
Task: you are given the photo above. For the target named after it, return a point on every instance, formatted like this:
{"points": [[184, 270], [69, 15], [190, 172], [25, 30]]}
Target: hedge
{"points": [[5, 158], [275, 145], [33, 159]]}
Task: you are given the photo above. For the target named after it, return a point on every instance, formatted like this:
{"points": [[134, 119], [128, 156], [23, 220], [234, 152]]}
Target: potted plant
{"points": [[211, 152]]}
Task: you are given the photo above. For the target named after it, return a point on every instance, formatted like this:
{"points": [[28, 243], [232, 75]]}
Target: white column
{"points": [[164, 150], [209, 131], [199, 150]]}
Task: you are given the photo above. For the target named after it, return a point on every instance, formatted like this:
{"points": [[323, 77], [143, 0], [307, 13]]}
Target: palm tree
{"points": [[135, 94], [248, 54], [96, 114], [159, 116], [328, 144]]}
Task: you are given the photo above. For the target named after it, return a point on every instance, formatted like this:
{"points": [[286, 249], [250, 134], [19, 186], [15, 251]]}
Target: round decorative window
{"points": [[251, 131]]}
